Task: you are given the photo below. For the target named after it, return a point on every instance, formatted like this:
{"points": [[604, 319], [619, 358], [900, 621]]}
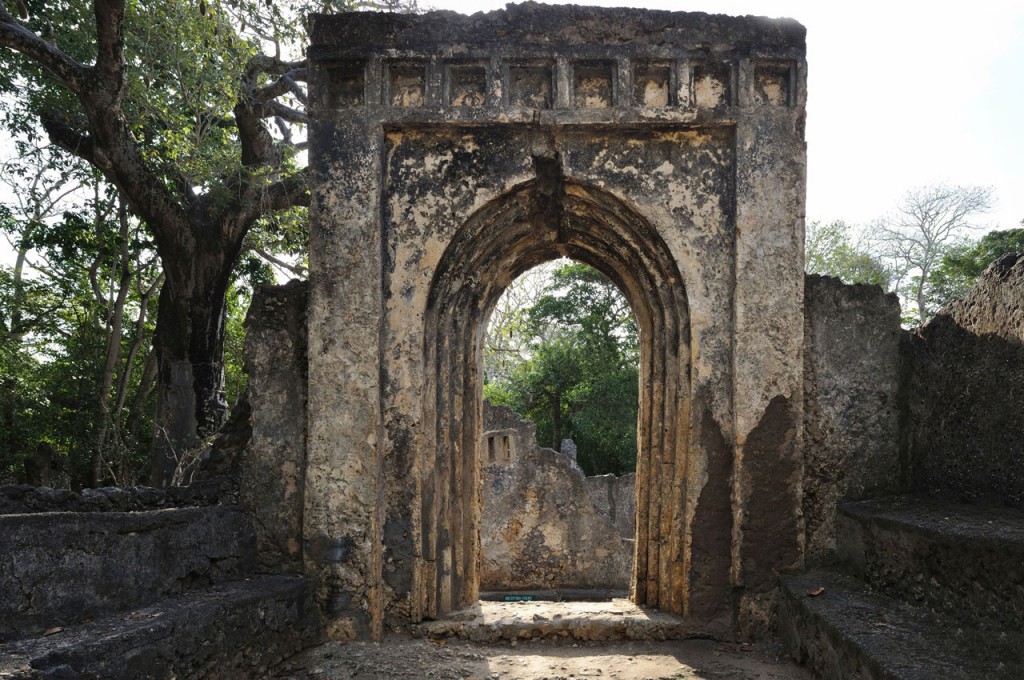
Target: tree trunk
{"points": [[189, 343]]}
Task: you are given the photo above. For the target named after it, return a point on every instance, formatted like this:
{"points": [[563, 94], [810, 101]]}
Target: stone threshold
{"points": [[616, 619], [555, 595]]}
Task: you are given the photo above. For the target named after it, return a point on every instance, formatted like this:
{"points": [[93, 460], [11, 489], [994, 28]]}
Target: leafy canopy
{"points": [[576, 376]]}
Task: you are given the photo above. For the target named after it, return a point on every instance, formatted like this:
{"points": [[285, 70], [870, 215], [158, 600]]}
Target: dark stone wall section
{"points": [[965, 393], [273, 469], [19, 499], [851, 421], [771, 532], [712, 530]]}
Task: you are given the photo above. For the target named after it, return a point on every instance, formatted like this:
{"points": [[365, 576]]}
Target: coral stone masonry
{"points": [[449, 154]]}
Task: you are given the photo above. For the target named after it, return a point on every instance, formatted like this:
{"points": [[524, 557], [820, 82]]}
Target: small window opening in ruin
{"points": [[530, 84], [773, 83], [711, 84], [467, 85], [652, 84], [561, 356]]}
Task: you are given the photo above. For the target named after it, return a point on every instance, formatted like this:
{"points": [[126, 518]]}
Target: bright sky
{"points": [[900, 94]]}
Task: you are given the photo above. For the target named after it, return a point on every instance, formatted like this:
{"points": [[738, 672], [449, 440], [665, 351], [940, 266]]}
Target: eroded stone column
{"points": [[341, 518], [768, 365]]}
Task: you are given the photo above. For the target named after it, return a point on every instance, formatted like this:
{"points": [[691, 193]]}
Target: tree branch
{"points": [[289, 114], [256, 201], [295, 269], [288, 82], [289, 192], [256, 103], [70, 139], [110, 46], [20, 39]]}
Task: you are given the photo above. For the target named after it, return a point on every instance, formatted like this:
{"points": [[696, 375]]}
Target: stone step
{"points": [[963, 560], [618, 619], [58, 568], [851, 632], [234, 630]]}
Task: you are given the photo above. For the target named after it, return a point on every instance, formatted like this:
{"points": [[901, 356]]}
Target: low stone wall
{"points": [[965, 393], [851, 393], [542, 529], [62, 568], [22, 499]]}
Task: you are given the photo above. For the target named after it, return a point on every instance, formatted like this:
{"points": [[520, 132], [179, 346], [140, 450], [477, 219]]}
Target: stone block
{"points": [[62, 568]]}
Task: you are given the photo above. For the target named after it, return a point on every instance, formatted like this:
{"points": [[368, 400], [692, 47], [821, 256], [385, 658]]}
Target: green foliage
{"points": [[79, 304], [77, 311], [577, 377], [964, 262], [830, 250]]}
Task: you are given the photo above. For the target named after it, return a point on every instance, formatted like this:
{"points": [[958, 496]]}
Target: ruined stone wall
{"points": [[540, 528], [965, 393], [273, 467], [615, 498], [851, 392], [59, 568]]}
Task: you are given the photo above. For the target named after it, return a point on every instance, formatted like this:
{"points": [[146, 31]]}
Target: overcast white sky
{"points": [[900, 94]]}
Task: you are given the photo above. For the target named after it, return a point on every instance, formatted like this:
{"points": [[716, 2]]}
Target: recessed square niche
{"points": [[407, 84], [346, 84], [467, 85], [593, 84], [529, 85], [711, 85], [771, 84], [652, 84]]}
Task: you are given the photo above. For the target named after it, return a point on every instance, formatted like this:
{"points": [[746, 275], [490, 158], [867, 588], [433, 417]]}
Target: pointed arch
{"points": [[539, 220]]}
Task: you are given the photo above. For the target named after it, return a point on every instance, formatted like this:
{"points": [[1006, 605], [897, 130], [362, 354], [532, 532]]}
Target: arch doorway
{"points": [[539, 220]]}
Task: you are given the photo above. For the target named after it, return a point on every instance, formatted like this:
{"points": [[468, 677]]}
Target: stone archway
{"points": [[542, 219], [450, 153]]}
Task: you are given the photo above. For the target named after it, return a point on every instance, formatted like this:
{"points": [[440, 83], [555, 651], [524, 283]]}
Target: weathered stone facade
{"points": [[450, 154], [540, 527], [614, 496]]}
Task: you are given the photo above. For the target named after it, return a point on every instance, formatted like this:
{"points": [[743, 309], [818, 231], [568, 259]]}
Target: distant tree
{"points": [[830, 250], [928, 221], [963, 263], [576, 376], [509, 331]]}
